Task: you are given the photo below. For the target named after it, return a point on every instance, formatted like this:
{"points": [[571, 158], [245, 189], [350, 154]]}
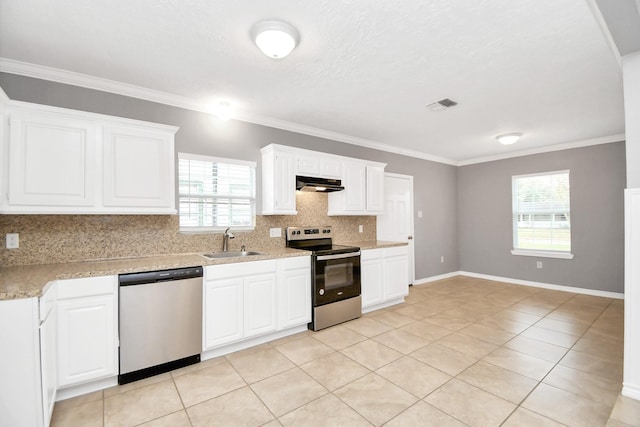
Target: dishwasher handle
{"points": [[132, 279]]}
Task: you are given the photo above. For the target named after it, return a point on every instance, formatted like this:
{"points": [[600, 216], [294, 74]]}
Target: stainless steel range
{"points": [[335, 276]]}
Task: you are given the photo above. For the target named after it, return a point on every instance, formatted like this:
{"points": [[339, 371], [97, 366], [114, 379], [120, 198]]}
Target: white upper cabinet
{"points": [[375, 189], [318, 166], [363, 181], [67, 161], [363, 189], [51, 161], [137, 170], [278, 181]]}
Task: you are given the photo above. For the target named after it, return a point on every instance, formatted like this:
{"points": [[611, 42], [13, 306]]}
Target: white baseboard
{"points": [[436, 278], [631, 391], [564, 288]]}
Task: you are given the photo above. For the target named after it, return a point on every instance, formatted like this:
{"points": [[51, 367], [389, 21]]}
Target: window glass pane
{"points": [[216, 193], [541, 212]]}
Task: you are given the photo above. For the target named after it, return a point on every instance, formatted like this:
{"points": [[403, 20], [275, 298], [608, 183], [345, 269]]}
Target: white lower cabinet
{"points": [[384, 276], [87, 330], [396, 276], [251, 299], [372, 280], [294, 292], [239, 301], [23, 387]]}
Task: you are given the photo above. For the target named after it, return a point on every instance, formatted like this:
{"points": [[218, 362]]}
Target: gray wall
{"points": [[597, 178], [434, 183]]}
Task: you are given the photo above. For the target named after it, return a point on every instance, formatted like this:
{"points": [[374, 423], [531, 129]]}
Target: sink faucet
{"points": [[225, 239]]}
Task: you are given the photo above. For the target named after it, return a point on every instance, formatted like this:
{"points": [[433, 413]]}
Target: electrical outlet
{"points": [[13, 241], [539, 264], [360, 229], [275, 232], [442, 259], [419, 214]]}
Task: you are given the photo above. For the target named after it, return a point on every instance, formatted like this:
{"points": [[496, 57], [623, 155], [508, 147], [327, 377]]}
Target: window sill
{"points": [[213, 230], [542, 254]]}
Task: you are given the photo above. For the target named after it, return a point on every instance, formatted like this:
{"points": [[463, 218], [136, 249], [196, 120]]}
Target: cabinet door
{"points": [[48, 363], [51, 160], [371, 277], [138, 168], [222, 312], [86, 339], [375, 189], [352, 200], [259, 304], [285, 183], [295, 297], [318, 166], [395, 277]]}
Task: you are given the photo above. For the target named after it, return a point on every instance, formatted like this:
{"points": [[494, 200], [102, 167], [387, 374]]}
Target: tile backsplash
{"points": [[46, 239]]}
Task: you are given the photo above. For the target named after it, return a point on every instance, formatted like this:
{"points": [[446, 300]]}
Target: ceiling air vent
{"points": [[442, 104]]}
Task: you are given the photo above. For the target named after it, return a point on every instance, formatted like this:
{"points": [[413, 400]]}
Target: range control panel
{"points": [[308, 233]]}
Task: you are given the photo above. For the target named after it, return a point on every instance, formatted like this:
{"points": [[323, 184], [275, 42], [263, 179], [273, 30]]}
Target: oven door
{"points": [[335, 277]]}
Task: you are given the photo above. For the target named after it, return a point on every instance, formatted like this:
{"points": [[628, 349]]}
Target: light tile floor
{"points": [[461, 351]]}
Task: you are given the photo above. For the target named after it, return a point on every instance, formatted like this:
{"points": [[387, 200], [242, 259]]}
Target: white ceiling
{"points": [[363, 71]]}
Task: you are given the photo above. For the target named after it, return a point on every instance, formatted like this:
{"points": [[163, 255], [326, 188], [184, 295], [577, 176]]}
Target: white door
{"points": [[396, 223], [223, 312]]}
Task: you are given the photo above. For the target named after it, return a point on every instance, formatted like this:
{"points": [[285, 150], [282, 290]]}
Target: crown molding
{"points": [[111, 86], [97, 83], [546, 149], [4, 99], [604, 29]]}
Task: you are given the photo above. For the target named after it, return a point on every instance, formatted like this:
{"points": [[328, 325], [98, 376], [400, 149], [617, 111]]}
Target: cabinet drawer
{"points": [[86, 286], [368, 254], [213, 272], [296, 262], [396, 251]]}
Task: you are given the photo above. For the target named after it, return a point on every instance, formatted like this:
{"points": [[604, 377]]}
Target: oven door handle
{"points": [[338, 256]]}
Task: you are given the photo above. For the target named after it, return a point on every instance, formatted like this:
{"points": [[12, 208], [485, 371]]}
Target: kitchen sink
{"points": [[232, 254]]}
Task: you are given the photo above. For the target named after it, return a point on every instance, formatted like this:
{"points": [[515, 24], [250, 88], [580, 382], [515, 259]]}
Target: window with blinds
{"points": [[541, 213], [216, 193]]}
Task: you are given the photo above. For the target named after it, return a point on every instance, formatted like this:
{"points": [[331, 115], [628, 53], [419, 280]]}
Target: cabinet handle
{"points": [[410, 237]]}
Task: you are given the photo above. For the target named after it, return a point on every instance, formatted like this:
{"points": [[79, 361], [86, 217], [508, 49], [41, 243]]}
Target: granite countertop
{"points": [[28, 281], [374, 244]]}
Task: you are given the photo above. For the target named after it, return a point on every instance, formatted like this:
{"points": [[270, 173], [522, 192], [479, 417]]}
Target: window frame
{"points": [[252, 198], [541, 253]]}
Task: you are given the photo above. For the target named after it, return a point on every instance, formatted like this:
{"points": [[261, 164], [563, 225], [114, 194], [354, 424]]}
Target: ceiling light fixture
{"points": [[223, 111], [509, 138], [276, 39]]}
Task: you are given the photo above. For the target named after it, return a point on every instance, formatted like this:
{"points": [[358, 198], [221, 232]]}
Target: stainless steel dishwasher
{"points": [[160, 322]]}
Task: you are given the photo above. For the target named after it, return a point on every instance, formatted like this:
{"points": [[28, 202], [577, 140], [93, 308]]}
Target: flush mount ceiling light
{"points": [[509, 138], [276, 39], [223, 111]]}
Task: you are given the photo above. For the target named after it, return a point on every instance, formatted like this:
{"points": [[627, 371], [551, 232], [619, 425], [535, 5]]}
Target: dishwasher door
{"points": [[160, 323]]}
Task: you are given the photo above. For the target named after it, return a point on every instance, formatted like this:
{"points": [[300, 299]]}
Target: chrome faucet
{"points": [[225, 239]]}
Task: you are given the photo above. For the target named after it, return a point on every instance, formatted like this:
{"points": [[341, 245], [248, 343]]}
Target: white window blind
{"points": [[542, 213], [216, 193]]}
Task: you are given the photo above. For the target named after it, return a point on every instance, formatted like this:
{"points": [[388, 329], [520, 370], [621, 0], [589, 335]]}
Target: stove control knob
{"points": [[321, 291]]}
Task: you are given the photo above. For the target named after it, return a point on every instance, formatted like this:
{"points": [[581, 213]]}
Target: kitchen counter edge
{"points": [[29, 281]]}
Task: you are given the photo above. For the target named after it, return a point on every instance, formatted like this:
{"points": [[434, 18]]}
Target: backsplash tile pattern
{"points": [[46, 239]]}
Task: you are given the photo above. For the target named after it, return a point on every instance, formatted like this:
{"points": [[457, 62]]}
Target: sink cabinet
{"points": [[255, 298], [239, 301]]}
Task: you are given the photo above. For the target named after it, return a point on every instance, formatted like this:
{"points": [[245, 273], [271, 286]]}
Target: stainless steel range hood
{"points": [[324, 185]]}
